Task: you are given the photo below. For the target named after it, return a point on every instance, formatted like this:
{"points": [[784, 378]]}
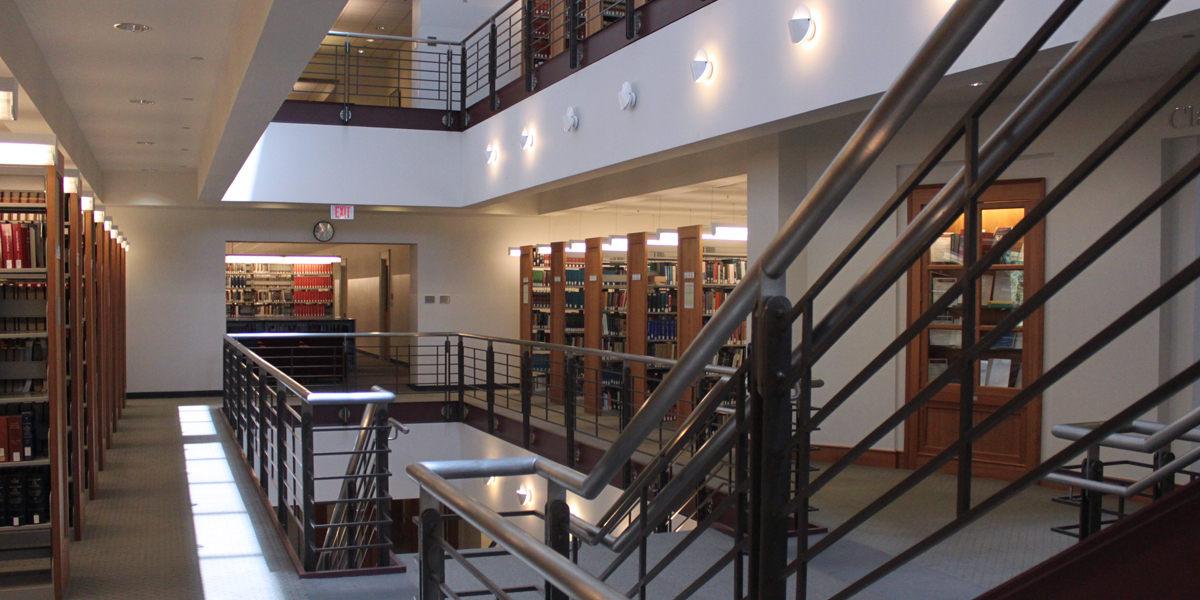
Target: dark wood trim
{"points": [[390, 117], [883, 459]]}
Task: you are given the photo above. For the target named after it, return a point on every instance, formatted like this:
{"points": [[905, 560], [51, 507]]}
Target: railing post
{"points": [[527, 43], [462, 380], [630, 21], [1162, 458], [345, 116], [462, 84], [558, 529], [494, 100], [741, 472], [643, 535], [382, 474], [309, 554], [573, 33], [491, 388], [244, 403], [281, 439], [226, 386], [569, 407], [448, 410], [433, 563], [526, 398], [264, 474], [626, 415], [770, 431], [804, 446], [1091, 504], [966, 379]]}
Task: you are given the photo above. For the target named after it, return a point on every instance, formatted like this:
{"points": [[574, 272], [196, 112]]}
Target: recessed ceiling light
{"points": [[381, 28], [183, 149], [132, 27], [978, 83], [197, 58], [188, 99], [146, 143], [360, 51], [370, 39], [185, 127], [141, 101], [149, 170]]}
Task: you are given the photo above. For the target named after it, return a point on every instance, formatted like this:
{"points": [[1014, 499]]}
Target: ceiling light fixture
{"points": [[370, 39], [28, 150], [978, 83], [702, 67], [381, 28], [97, 215], [132, 27], [87, 202], [493, 154], [545, 249], [801, 27], [616, 244], [8, 99], [514, 251], [664, 238], [728, 233], [281, 260], [197, 58], [526, 139], [360, 51], [570, 120], [108, 223], [70, 184], [146, 143], [140, 101], [626, 97]]}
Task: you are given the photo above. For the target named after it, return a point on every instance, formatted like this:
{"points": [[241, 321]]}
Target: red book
{"points": [[4, 440], [21, 245], [15, 446], [6, 244]]}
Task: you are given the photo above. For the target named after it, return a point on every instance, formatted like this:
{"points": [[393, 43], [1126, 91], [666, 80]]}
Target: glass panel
{"points": [[997, 222], [947, 249], [1000, 291], [1001, 364], [939, 282], [945, 346]]}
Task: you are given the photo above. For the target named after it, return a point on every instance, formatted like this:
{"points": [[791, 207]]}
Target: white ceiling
{"points": [[99, 69], [717, 201]]}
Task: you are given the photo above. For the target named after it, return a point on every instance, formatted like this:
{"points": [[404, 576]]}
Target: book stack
{"points": [[24, 431], [575, 300], [724, 271], [663, 273], [615, 299], [574, 277], [664, 330], [661, 301], [713, 299], [23, 244], [312, 283], [24, 497], [312, 296], [325, 269]]}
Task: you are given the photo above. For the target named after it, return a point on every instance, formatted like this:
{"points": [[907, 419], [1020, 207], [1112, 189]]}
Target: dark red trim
{"points": [[329, 113], [1149, 554]]}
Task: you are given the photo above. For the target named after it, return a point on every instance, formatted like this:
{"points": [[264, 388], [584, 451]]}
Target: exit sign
{"points": [[340, 211]]}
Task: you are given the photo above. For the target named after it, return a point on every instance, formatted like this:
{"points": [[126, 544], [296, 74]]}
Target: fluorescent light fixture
{"points": [[98, 215], [71, 185], [8, 99], [576, 247], [112, 233], [545, 249], [274, 259], [702, 67], [108, 223], [665, 238], [617, 244], [801, 27], [527, 139], [87, 202], [493, 154], [28, 150], [514, 252], [729, 233]]}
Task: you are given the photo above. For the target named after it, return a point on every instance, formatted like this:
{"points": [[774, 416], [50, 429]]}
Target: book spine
{"points": [[6, 244], [27, 434], [16, 498], [16, 446], [4, 440]]}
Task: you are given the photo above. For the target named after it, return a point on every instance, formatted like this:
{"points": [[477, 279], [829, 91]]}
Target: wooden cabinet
{"points": [[1014, 361]]}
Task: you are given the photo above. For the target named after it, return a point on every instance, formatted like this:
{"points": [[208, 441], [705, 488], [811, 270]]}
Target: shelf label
{"points": [[689, 295], [557, 279], [689, 274], [343, 212], [637, 276], [591, 277], [525, 293], [525, 279]]}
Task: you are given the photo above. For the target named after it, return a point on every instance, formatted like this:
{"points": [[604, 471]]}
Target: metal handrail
{"points": [[377, 395], [395, 38]]}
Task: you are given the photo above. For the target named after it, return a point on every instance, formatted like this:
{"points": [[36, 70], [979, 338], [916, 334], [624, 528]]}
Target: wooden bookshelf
{"points": [[526, 290], [279, 290], [593, 289], [77, 415], [635, 324], [558, 319]]}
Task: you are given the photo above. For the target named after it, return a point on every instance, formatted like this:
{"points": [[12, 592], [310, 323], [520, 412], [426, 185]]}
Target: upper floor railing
{"points": [[509, 48]]}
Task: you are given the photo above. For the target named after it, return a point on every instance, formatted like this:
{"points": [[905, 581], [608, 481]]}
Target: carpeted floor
{"points": [[176, 518]]}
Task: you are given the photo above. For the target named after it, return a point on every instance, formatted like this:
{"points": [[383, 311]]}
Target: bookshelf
{"points": [[278, 290], [1012, 363]]}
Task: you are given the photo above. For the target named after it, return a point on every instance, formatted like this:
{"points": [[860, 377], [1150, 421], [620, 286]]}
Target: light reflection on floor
{"points": [[232, 564]]}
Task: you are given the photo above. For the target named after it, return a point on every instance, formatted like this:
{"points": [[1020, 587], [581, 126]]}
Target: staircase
{"points": [[761, 438]]}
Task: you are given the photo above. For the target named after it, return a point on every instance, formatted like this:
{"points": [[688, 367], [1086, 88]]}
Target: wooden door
{"points": [[1011, 364]]}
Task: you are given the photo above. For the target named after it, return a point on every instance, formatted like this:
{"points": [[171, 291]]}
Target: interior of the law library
{"points": [[599, 299]]}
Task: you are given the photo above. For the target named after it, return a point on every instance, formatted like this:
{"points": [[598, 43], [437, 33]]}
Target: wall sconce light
{"points": [[8, 99], [493, 154], [491, 480], [801, 26], [702, 68], [526, 139], [570, 120], [626, 96], [524, 495]]}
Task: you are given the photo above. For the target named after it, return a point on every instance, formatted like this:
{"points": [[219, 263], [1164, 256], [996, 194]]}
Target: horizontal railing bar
{"points": [[1135, 488], [473, 570], [357, 547], [387, 521], [393, 38]]}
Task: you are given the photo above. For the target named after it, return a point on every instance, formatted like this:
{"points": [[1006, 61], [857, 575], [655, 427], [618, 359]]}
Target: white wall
{"points": [[176, 277], [760, 79]]}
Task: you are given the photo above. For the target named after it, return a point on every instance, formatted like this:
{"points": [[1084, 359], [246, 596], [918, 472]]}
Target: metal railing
{"points": [[271, 417], [379, 70], [778, 434]]}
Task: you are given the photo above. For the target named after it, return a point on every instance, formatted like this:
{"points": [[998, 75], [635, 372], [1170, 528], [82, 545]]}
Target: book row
{"points": [[312, 296], [23, 245], [664, 329], [24, 431], [312, 282], [24, 496], [575, 300], [312, 269], [724, 271], [34, 321], [30, 375], [660, 301], [23, 197], [308, 310]]}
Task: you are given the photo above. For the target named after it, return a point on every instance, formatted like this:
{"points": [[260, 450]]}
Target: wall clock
{"points": [[323, 231]]}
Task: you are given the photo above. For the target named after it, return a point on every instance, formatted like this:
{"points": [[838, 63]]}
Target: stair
{"points": [[1150, 554]]}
